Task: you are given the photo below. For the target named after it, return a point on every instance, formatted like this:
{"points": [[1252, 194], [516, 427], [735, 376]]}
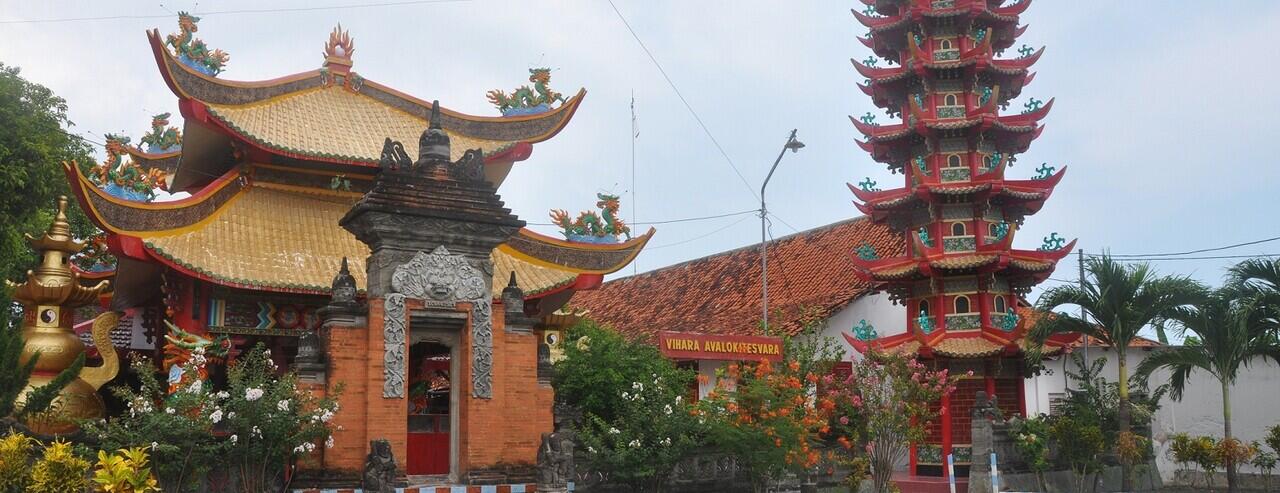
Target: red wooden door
{"points": [[428, 444]]}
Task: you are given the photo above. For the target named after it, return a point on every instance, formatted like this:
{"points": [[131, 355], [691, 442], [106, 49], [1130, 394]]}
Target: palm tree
{"points": [[1121, 300], [1227, 339], [1259, 279]]}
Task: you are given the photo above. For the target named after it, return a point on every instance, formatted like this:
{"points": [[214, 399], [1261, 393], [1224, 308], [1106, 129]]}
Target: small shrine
{"points": [[357, 232]]}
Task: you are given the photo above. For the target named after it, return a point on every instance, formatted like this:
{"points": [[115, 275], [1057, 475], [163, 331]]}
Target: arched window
{"points": [[951, 100], [957, 229], [962, 304], [1000, 308], [945, 44], [953, 161], [986, 162], [924, 307]]}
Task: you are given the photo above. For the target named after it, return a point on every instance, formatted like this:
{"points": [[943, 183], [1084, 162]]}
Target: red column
{"points": [[913, 457], [988, 375], [946, 428]]}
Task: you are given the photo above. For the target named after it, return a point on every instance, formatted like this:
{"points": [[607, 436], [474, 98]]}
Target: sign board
{"points": [[688, 345]]}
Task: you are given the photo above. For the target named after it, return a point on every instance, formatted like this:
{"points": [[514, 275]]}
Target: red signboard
{"points": [[688, 345]]}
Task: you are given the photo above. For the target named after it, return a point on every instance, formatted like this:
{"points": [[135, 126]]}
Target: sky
{"points": [[1164, 110]]}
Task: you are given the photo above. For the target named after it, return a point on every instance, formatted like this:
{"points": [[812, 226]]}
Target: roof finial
{"points": [[339, 49], [433, 146]]}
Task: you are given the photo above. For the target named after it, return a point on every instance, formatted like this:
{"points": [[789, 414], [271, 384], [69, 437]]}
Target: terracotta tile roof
{"points": [[967, 347], [811, 275]]}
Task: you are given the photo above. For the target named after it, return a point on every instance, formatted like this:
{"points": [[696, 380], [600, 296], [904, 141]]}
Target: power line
{"points": [[224, 12], [730, 225], [1218, 257], [1203, 250], [685, 101]]}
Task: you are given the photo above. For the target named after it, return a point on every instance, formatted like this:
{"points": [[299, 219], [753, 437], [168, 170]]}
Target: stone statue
{"points": [[986, 407], [555, 456], [379, 468]]}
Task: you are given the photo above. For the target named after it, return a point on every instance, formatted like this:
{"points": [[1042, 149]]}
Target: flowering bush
{"points": [[1031, 438], [886, 400], [268, 420], [178, 429], [773, 419], [636, 418]]}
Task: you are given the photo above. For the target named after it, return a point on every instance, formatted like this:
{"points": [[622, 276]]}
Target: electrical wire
{"points": [[1189, 252], [673, 221], [713, 232], [224, 12], [685, 101]]}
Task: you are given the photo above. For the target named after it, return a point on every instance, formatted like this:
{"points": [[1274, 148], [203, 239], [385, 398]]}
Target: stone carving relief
{"points": [[441, 277], [393, 337]]}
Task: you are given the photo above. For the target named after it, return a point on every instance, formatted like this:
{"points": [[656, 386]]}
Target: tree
{"points": [[1227, 340], [1259, 279], [1121, 300], [33, 144], [15, 374]]}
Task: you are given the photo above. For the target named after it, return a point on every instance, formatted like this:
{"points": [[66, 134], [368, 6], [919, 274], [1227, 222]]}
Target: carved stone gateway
{"points": [[439, 276]]}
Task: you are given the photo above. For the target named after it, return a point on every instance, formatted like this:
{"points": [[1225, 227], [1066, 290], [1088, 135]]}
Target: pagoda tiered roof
{"points": [[1028, 195], [933, 261], [262, 227], [329, 118], [894, 19]]}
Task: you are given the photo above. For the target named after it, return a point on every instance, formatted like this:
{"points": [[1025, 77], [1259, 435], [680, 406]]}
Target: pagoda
{"points": [[311, 228], [959, 276]]}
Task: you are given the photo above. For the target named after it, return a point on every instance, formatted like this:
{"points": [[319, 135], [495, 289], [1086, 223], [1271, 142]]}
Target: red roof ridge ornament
{"points": [[337, 60]]}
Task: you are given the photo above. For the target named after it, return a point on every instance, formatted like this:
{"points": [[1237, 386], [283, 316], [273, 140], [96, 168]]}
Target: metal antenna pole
{"points": [[794, 145], [1083, 316], [635, 263]]}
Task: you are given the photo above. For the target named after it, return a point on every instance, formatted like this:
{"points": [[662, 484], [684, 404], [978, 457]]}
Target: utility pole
{"points": [[635, 133], [795, 146], [1083, 316]]}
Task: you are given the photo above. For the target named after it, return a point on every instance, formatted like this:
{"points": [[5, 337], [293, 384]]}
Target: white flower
{"points": [[591, 449], [283, 405], [666, 441], [637, 386], [667, 409], [215, 416], [267, 353], [196, 387], [256, 432], [299, 449], [222, 394], [328, 442], [168, 410], [614, 431], [679, 399], [626, 395], [252, 394], [231, 415], [326, 416], [234, 438], [634, 443], [154, 445]]}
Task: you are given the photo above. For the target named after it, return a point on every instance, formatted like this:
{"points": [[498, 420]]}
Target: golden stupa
{"points": [[50, 294]]}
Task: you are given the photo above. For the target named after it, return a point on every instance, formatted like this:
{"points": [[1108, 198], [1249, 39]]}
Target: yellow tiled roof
{"points": [[966, 347], [337, 123], [274, 238]]}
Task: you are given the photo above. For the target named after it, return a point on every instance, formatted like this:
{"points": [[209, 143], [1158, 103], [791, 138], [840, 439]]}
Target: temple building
{"points": [[930, 269], [357, 232]]}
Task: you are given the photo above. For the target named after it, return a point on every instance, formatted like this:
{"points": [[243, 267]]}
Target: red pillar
{"points": [[946, 428], [913, 457], [989, 376]]}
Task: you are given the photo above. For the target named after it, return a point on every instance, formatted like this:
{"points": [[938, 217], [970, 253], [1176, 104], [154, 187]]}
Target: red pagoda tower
{"points": [[960, 277]]}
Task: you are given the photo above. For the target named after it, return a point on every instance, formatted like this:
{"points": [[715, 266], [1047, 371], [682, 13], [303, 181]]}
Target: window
{"points": [[945, 44], [991, 230], [986, 162], [954, 161], [962, 304], [957, 229], [924, 307], [1056, 401], [951, 100], [1000, 307]]}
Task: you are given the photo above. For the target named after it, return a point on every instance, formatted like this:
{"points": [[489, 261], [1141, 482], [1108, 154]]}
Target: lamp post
{"points": [[794, 145]]}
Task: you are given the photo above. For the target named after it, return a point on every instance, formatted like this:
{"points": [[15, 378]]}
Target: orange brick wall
{"points": [[506, 429]]}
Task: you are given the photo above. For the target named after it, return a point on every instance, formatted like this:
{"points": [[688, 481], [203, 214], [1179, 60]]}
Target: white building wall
{"points": [[1255, 402], [888, 319]]}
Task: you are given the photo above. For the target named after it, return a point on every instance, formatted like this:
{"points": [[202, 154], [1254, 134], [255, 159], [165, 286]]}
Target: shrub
{"points": [[1273, 438], [125, 471], [1231, 452], [637, 422], [59, 470], [15, 448], [269, 420], [1265, 461], [1032, 441], [1079, 443], [178, 429]]}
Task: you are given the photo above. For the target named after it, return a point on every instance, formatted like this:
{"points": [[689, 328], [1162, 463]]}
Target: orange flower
{"points": [[811, 378], [844, 442], [784, 412], [824, 430], [777, 442], [794, 365]]}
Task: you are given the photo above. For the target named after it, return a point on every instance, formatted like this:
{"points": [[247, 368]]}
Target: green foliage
{"points": [[772, 419], [1265, 461], [15, 375], [269, 420], [1031, 438], [15, 448], [59, 470], [1078, 444], [1096, 400], [637, 421], [1273, 438], [178, 429], [33, 144], [1200, 451], [125, 471]]}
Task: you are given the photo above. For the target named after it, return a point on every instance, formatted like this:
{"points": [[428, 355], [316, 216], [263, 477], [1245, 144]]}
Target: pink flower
{"points": [[871, 447], [844, 420], [969, 373]]}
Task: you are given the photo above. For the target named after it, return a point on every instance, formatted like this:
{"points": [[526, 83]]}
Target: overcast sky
{"points": [[1164, 109]]}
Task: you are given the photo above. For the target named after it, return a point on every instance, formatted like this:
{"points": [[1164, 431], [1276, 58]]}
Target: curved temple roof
{"points": [[345, 116], [255, 234]]}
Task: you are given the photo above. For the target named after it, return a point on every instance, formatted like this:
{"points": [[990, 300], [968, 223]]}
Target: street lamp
{"points": [[794, 145]]}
